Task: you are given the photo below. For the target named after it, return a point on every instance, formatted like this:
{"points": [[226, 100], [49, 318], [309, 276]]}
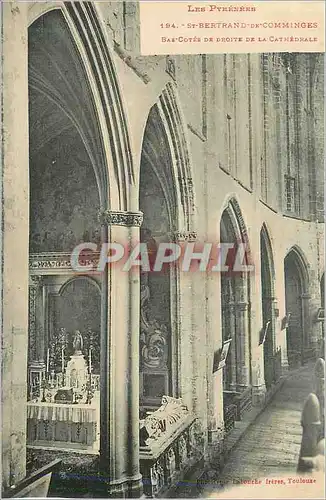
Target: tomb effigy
{"points": [[167, 445]]}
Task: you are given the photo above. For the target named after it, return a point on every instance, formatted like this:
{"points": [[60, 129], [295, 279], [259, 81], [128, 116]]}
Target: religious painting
{"points": [[221, 355], [263, 333]]}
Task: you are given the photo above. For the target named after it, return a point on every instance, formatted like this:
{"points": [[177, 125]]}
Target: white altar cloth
{"points": [[72, 426], [62, 412]]}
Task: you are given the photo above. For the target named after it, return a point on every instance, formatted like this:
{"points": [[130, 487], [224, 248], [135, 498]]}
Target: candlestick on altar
{"points": [[48, 362], [62, 360], [90, 361], [43, 391]]}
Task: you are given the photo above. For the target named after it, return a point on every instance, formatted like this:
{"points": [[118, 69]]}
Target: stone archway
{"points": [[167, 202], [235, 301], [268, 306], [296, 287], [235, 310], [79, 144], [68, 182], [166, 199], [79, 86], [158, 203]]}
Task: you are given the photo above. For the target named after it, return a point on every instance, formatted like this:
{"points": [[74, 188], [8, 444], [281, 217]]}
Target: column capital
{"points": [[271, 298], [36, 281], [241, 305], [230, 305], [120, 218], [184, 235]]}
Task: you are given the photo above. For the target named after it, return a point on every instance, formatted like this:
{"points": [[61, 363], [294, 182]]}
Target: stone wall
{"points": [[238, 148], [14, 243]]}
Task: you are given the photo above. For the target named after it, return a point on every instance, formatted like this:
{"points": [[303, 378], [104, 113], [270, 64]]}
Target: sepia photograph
{"points": [[162, 255]]}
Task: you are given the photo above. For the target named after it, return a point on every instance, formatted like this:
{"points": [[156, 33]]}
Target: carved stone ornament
{"points": [[153, 335], [119, 218], [59, 260], [170, 67], [163, 422], [34, 286], [184, 236]]}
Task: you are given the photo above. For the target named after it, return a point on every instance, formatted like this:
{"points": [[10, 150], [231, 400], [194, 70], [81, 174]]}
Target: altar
{"points": [[67, 426], [63, 410]]}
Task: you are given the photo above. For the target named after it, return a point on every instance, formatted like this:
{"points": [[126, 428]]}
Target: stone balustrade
{"points": [[236, 403]]}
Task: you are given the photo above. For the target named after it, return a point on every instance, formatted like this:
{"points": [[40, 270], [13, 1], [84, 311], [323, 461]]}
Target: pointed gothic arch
{"points": [[235, 305], [166, 198], [75, 96], [265, 235], [267, 304], [232, 207], [296, 278], [100, 120], [166, 120], [303, 265]]}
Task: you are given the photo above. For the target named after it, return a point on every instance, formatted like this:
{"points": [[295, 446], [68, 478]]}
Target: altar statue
{"points": [[78, 343], [76, 371]]}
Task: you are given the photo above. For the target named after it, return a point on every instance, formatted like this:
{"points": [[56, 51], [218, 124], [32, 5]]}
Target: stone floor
{"points": [[271, 444]]}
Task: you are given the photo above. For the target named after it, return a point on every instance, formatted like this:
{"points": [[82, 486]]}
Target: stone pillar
{"points": [[183, 327], [215, 380], [276, 348], [35, 340], [198, 335], [119, 411], [309, 334], [241, 308], [233, 346], [243, 377], [14, 242], [284, 351], [279, 284]]}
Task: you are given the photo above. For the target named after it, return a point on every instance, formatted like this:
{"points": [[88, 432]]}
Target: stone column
{"points": [[306, 320], [183, 327], [233, 346], [276, 352], [119, 411], [214, 380], [309, 334], [243, 375], [242, 331], [199, 358], [280, 335], [284, 351], [35, 342], [14, 242]]}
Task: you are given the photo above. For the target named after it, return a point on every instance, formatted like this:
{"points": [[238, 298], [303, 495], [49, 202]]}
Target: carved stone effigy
{"points": [[165, 451], [163, 422]]}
